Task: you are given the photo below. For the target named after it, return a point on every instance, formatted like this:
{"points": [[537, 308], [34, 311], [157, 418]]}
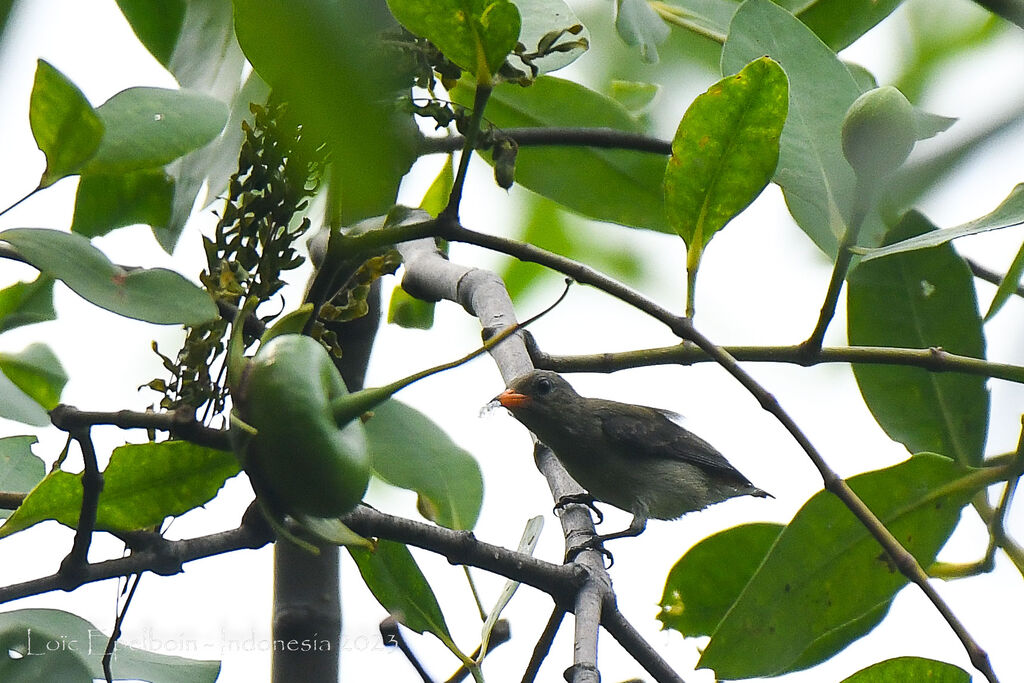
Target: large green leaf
{"points": [[921, 299], [321, 57], [26, 303], [394, 578], [36, 371], [616, 185], [154, 295], [409, 450], [1008, 214], [64, 124], [142, 485], [156, 25], [475, 34], [836, 22], [108, 201], [149, 127], [58, 646], [20, 469], [814, 176], [705, 582], [724, 152], [902, 669], [826, 571]]}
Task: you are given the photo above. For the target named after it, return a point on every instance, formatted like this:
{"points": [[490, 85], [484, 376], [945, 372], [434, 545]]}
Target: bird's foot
{"points": [[579, 499], [595, 542]]}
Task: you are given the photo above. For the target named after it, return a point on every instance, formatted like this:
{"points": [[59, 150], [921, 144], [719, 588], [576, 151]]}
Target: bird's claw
{"points": [[579, 499], [595, 542]]}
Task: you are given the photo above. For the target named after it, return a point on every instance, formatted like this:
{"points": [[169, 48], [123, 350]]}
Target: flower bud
{"points": [[878, 132]]}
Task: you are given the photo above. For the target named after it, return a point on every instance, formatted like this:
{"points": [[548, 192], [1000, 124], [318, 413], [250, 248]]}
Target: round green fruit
{"points": [[878, 132], [298, 460]]}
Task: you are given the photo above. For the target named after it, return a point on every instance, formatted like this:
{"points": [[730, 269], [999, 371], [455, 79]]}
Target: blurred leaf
{"points": [[838, 23], [142, 485], [16, 405], [156, 25], [475, 34], [407, 311], [436, 197], [921, 299], [928, 125], [59, 646], [1008, 285], [105, 202], [616, 185], [20, 469], [26, 303], [826, 571], [154, 295], [410, 451], [539, 19], [546, 225], [36, 371], [321, 57], [64, 124], [910, 669], [1006, 215], [865, 79], [149, 127], [814, 176], [705, 582], [640, 26], [633, 96], [394, 578], [724, 153]]}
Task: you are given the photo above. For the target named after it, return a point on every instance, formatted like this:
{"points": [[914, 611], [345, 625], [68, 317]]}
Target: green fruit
{"points": [[878, 132], [298, 460]]}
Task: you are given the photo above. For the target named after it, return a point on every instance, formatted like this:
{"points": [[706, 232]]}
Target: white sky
{"points": [[761, 282]]}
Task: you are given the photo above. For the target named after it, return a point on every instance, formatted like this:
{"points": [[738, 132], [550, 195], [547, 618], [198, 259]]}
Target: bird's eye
{"points": [[543, 386]]}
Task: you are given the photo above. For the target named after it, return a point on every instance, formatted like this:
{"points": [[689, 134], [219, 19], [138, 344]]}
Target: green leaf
{"points": [[27, 303], [156, 25], [394, 578], [616, 185], [154, 295], [724, 152], [826, 571], [142, 485], [475, 34], [636, 97], [1008, 285], [59, 646], [108, 201], [36, 371], [640, 26], [149, 127], [64, 124], [20, 469], [546, 225], [321, 57], [539, 19], [16, 405], [705, 582], [814, 176], [902, 669], [407, 311], [1008, 214], [838, 23], [921, 299], [412, 452]]}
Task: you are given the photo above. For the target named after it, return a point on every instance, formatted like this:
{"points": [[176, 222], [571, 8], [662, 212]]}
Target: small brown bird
{"points": [[633, 457]]}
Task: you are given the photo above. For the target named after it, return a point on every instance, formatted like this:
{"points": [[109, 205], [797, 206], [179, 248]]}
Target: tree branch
{"points": [[932, 359], [605, 138]]}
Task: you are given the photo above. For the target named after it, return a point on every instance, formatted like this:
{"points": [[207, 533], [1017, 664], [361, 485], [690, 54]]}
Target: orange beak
{"points": [[512, 399]]}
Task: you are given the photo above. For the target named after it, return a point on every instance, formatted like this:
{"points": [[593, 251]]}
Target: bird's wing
{"points": [[659, 436]]}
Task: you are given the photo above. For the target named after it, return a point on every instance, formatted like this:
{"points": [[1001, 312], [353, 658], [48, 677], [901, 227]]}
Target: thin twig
{"points": [[638, 648], [180, 424], [92, 485], [115, 633], [932, 359], [543, 646], [602, 138]]}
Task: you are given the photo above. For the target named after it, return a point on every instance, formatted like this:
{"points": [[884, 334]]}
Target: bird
{"points": [[633, 457]]}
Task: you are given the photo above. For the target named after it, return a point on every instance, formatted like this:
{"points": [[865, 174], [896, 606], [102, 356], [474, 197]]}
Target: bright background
{"points": [[761, 282]]}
